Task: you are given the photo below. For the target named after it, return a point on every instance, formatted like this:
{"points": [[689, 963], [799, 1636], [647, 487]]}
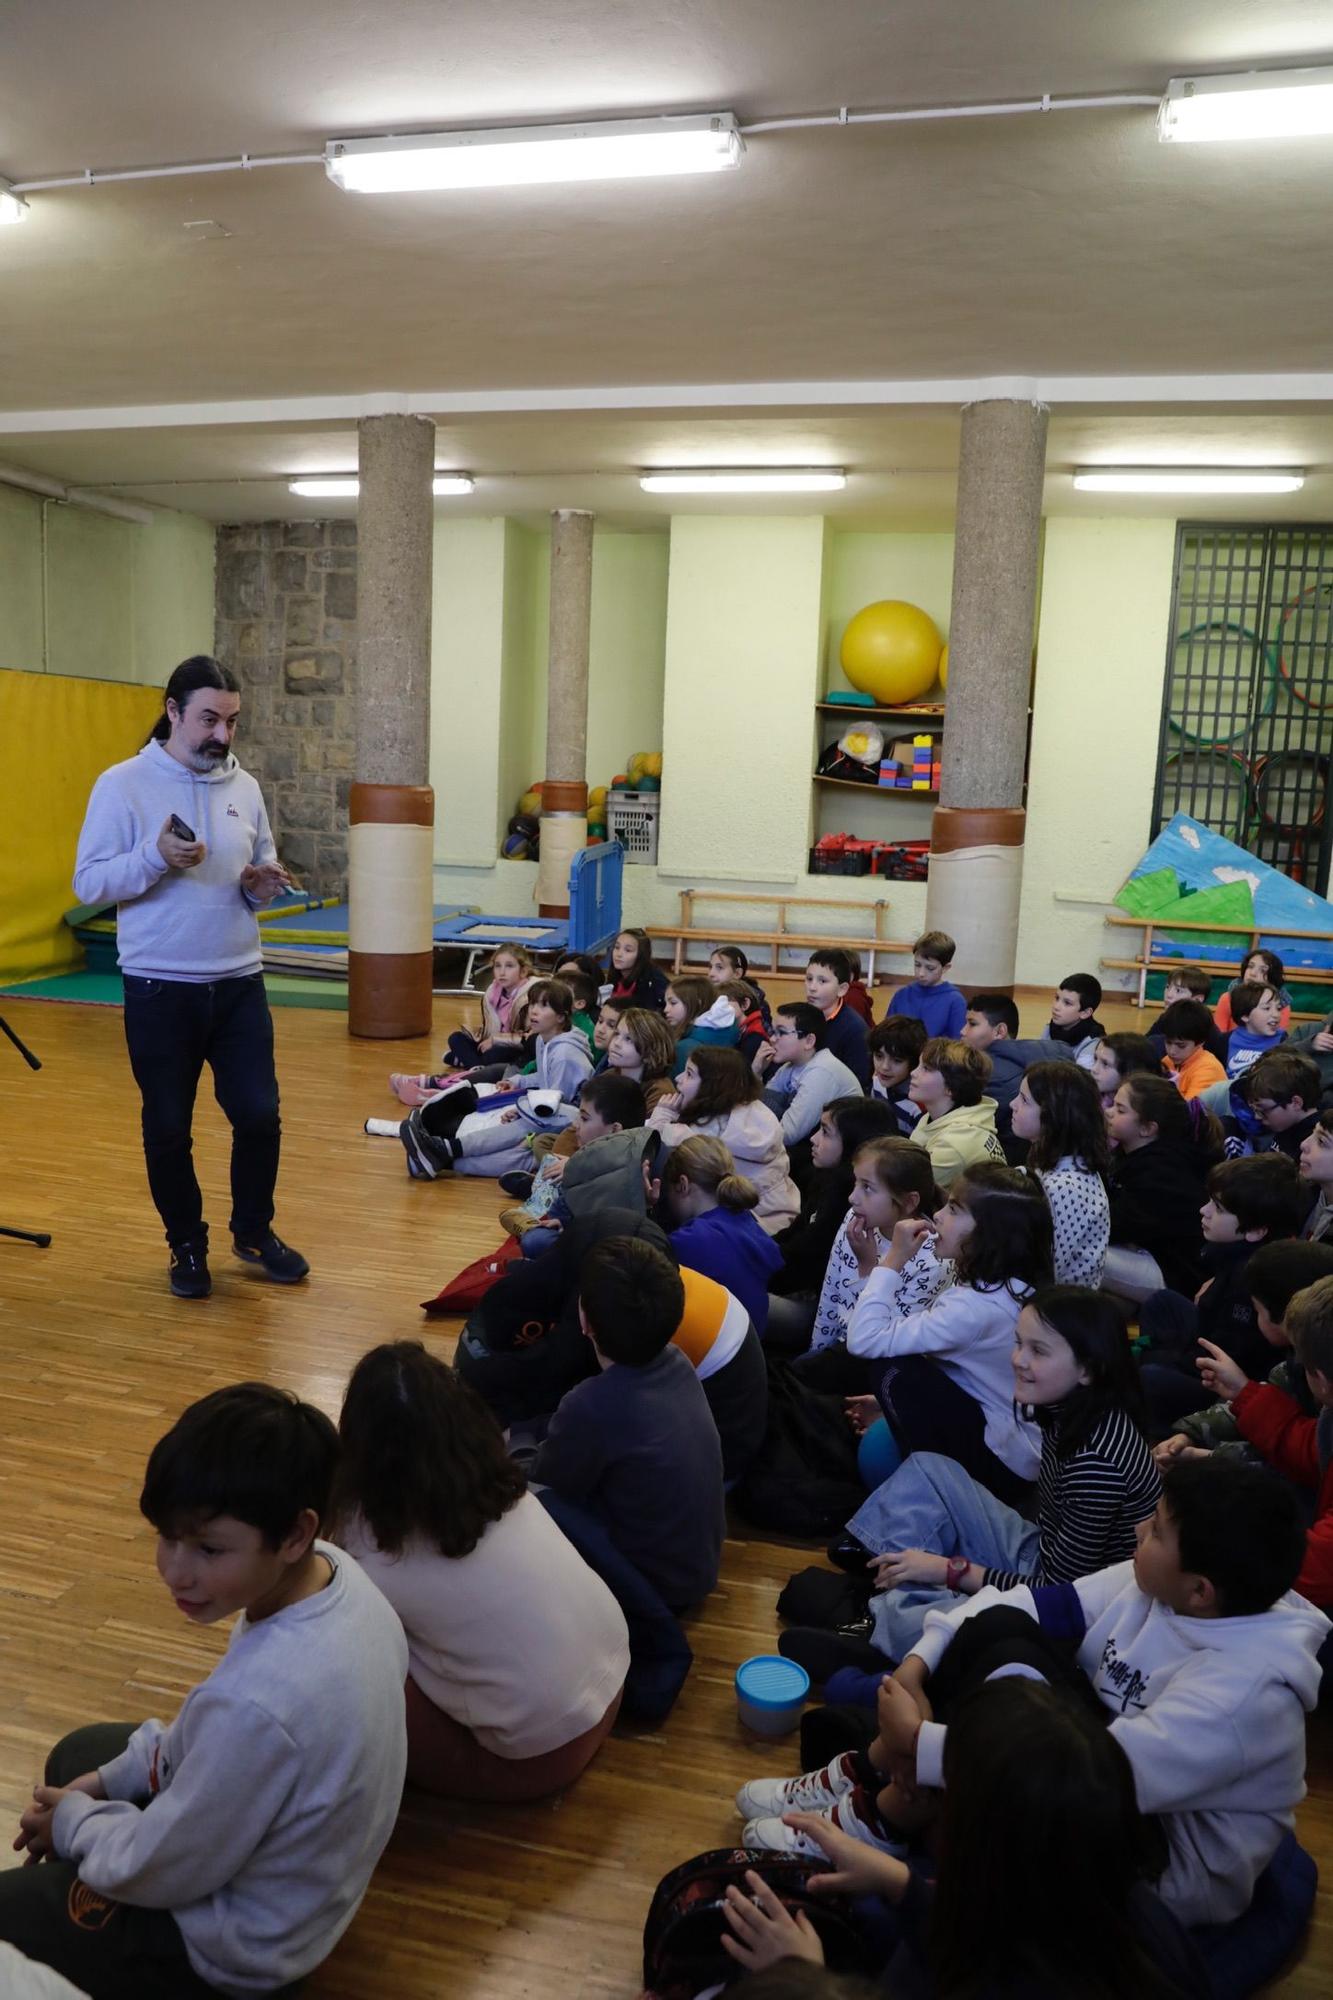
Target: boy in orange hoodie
{"points": [[1186, 1027]]}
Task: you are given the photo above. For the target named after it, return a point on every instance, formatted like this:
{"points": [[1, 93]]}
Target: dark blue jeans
{"points": [[172, 1028]]}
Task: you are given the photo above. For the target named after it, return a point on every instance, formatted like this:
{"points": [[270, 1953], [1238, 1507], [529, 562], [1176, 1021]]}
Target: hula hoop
{"points": [[1271, 658], [1241, 827], [1272, 761], [1282, 667]]}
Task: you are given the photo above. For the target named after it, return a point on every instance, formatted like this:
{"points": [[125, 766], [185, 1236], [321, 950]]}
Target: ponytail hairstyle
{"points": [[735, 958], [706, 1163], [1012, 1242], [901, 1167], [726, 1081], [1072, 1119], [1094, 1328], [652, 1039], [201, 670], [1180, 1121], [1131, 1053]]}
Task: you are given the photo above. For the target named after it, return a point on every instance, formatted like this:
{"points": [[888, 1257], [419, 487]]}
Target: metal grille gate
{"points": [[1246, 741]]}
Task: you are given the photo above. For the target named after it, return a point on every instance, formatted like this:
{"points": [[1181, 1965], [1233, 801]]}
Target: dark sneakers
{"points": [[427, 1156], [276, 1259], [189, 1277]]}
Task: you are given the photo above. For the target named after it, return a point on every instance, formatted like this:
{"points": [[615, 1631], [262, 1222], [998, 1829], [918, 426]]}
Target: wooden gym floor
{"points": [[96, 1359]]}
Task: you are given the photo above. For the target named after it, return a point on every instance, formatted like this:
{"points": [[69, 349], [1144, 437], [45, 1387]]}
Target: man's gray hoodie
{"points": [[195, 924]]}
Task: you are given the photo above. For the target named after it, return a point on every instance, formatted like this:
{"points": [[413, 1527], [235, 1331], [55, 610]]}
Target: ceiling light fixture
{"points": [[1188, 479], [346, 485], [746, 479], [1259, 104], [12, 207], [519, 155]]}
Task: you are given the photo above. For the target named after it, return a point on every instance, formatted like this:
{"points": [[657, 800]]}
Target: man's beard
{"points": [[207, 760]]}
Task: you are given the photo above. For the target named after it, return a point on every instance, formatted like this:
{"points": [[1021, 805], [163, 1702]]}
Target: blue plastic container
{"points": [[877, 1455], [770, 1693]]}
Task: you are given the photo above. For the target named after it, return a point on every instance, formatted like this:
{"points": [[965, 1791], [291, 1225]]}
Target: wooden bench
{"points": [[780, 936], [1249, 936]]}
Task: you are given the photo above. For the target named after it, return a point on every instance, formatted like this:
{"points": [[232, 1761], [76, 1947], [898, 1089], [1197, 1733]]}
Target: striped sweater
{"points": [[1089, 1502]]}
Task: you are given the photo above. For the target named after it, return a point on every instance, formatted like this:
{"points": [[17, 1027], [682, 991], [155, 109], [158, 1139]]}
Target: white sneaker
{"points": [[853, 1814], [769, 1798]]}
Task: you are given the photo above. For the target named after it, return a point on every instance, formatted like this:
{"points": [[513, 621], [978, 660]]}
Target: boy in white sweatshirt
{"points": [[227, 1852], [1199, 1648]]}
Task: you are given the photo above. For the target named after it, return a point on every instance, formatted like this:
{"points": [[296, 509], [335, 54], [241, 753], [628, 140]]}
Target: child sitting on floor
{"points": [[1161, 1150], [930, 1529], [610, 1013], [439, 1516], [608, 1103], [717, 1093], [807, 1244], [642, 1048], [1257, 1012], [1190, 982], [512, 975], [1296, 1444], [1186, 1029], [712, 1227], [1275, 1274], [230, 1849], [928, 996], [948, 1384], [828, 979], [698, 1017], [1119, 1056], [728, 961], [635, 1445], [1204, 1654], [895, 1045], [1076, 1001], [1274, 1107], [991, 1027], [858, 993], [1316, 1168], [957, 1123], [808, 1075], [633, 974], [892, 1182], [1261, 968], [1250, 1202], [1058, 1113]]}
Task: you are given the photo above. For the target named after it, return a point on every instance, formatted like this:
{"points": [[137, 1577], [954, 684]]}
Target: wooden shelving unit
{"points": [[875, 791]]}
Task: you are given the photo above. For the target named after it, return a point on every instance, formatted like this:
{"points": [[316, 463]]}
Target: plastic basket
{"points": [[632, 818]]}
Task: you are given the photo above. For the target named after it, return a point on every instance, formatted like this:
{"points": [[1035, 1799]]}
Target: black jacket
{"points": [[1156, 1194]]}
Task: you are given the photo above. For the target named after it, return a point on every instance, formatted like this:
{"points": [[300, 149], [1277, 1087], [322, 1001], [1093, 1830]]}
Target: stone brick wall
{"points": [[286, 623]]}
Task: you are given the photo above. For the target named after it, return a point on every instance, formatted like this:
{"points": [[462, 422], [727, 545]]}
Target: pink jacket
{"points": [[497, 1009], [753, 1137]]}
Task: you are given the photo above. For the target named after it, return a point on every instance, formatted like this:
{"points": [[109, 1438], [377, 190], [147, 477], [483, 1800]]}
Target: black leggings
{"points": [[928, 1411]]}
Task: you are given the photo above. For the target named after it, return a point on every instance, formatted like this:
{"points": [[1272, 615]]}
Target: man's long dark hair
{"points": [[421, 1454], [201, 670]]}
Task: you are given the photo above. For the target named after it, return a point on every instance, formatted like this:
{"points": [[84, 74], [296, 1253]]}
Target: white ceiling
{"points": [[1065, 245]]}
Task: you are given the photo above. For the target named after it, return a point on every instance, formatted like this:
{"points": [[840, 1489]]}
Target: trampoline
{"points": [[595, 876]]}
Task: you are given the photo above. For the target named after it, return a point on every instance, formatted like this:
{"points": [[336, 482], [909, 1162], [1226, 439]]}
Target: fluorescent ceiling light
{"points": [[517, 155], [346, 486], [1261, 104], [12, 207], [746, 479], [1187, 479]]}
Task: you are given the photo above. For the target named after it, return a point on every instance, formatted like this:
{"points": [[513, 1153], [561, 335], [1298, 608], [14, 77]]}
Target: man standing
{"points": [[178, 838]]}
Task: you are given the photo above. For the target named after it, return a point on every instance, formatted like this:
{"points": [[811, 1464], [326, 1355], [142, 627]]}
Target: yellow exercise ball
{"points": [[944, 667], [891, 650]]}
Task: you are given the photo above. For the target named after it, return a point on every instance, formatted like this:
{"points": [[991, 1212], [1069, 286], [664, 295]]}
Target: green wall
{"points": [[106, 599]]}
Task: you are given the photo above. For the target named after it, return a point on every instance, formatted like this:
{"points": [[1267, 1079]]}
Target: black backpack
{"points": [[804, 1479], [682, 1950]]}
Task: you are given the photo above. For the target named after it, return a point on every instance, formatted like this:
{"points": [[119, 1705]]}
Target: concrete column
{"points": [[392, 811], [565, 785], [976, 842]]}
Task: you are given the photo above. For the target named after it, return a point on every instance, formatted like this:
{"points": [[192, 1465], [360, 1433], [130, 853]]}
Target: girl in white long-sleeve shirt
{"points": [[949, 1385]]}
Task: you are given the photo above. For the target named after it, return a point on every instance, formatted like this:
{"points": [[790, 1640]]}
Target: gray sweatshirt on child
{"points": [[195, 924], [258, 1816]]}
